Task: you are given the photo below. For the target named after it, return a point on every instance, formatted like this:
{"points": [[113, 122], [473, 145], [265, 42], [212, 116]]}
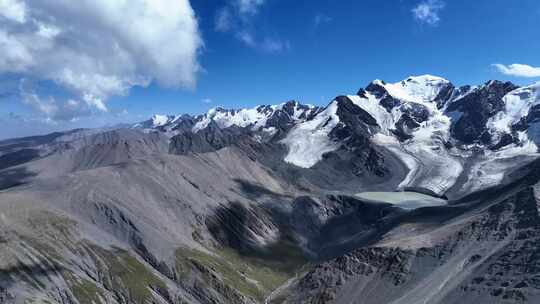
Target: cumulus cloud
{"points": [[428, 11], [518, 70], [96, 49], [207, 100]]}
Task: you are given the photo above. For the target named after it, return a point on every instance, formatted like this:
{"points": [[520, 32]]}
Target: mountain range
{"points": [[410, 192]]}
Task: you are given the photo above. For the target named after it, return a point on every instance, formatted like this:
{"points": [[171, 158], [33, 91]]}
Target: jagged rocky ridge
{"points": [[442, 135], [262, 205]]}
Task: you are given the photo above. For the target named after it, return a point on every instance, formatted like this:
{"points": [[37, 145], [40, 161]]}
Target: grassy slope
{"points": [[254, 275]]}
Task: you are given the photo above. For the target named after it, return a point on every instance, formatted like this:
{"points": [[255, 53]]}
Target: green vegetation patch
{"points": [[86, 292], [127, 273], [255, 274]]}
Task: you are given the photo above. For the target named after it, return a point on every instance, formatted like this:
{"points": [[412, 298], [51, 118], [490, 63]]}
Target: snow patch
{"points": [[422, 89], [308, 141], [255, 118], [159, 120], [227, 118], [517, 105], [371, 105]]}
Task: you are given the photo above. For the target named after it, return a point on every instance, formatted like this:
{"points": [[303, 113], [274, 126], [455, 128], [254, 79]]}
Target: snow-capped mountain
{"points": [[288, 203], [268, 118], [260, 118], [439, 132], [156, 121]]}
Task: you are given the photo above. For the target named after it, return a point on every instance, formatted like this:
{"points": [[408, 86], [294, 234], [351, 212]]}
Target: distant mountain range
{"points": [[439, 132], [409, 192]]}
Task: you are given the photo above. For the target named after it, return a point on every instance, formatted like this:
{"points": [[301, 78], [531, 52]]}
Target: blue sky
{"points": [[242, 53]]}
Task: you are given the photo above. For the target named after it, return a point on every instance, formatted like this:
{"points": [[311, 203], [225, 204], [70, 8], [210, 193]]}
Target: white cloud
{"points": [[271, 45], [53, 109], [223, 22], [248, 7], [428, 11], [207, 100], [13, 10], [96, 49], [237, 18], [321, 19], [518, 70], [47, 107], [246, 38], [237, 14], [267, 44]]}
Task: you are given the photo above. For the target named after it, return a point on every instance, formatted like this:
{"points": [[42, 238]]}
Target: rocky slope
{"points": [[480, 250], [284, 204]]}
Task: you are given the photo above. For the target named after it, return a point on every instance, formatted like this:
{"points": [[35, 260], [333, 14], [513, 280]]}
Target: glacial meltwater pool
{"points": [[406, 199]]}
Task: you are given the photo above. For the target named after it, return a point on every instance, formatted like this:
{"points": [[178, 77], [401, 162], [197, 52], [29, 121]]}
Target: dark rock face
{"points": [[348, 223], [280, 120], [389, 102], [505, 140], [284, 119], [416, 111], [534, 114], [404, 127], [307, 112], [354, 131], [240, 227], [386, 100], [413, 115], [445, 95], [349, 113], [326, 279], [209, 139], [185, 123], [532, 117], [476, 108], [375, 89], [506, 274]]}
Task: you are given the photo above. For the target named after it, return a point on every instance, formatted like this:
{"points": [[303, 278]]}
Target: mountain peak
{"points": [[426, 78], [422, 88], [160, 120]]}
